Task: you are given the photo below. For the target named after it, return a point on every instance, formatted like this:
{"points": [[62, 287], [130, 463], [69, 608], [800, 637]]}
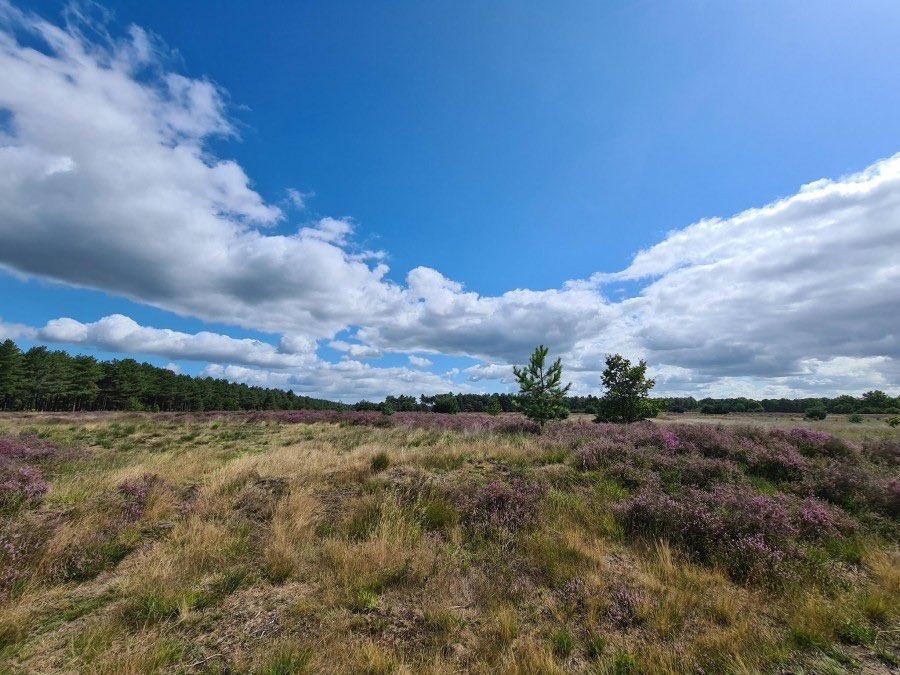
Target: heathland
{"points": [[340, 541]]}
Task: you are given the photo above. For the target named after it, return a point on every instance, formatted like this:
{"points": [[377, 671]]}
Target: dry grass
{"points": [[277, 548]]}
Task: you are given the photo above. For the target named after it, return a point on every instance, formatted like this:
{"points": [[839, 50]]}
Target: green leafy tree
{"points": [[627, 387], [494, 407], [541, 394], [816, 412]]}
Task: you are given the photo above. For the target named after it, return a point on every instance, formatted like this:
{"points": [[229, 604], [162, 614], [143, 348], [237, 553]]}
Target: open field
{"points": [[285, 542]]}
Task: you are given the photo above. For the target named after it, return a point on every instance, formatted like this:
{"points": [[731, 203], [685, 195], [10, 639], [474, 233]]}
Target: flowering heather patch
{"points": [[20, 483], [502, 505], [815, 520], [20, 544], [636, 467], [647, 434], [622, 608], [466, 422], [749, 534], [29, 448], [135, 493], [756, 560], [883, 451], [705, 439], [814, 443], [463, 422], [698, 471], [843, 484], [368, 418], [776, 460]]}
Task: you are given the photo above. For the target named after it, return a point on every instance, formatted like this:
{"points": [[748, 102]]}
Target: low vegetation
{"points": [[343, 541]]}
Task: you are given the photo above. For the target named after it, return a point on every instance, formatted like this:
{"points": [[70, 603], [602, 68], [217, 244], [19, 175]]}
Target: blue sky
{"points": [[517, 146]]}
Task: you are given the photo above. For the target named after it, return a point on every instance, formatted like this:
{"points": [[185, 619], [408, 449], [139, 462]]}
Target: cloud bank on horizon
{"points": [[107, 182]]}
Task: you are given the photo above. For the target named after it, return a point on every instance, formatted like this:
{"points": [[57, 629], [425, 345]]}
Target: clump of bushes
{"points": [[750, 535], [502, 505], [816, 412]]}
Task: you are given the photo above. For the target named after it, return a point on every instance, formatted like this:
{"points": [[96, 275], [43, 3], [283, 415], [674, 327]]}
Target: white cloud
{"points": [[119, 333], [15, 331], [356, 350], [298, 199], [107, 181], [418, 361], [329, 230], [490, 371], [347, 380], [815, 277], [243, 360]]}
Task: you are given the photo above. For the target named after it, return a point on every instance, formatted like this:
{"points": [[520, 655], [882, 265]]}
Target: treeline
{"points": [[41, 379], [869, 403], [45, 380], [872, 402], [446, 403]]}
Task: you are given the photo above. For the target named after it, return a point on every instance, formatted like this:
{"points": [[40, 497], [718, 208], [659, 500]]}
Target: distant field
{"points": [[262, 543]]}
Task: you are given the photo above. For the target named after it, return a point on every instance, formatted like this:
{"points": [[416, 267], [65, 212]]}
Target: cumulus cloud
{"points": [[355, 350], [15, 331], [242, 360], [439, 315], [490, 371], [418, 361], [346, 380], [811, 278], [107, 181], [119, 333]]}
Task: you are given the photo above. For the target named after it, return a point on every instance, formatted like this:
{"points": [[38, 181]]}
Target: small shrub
{"points": [[816, 413], [503, 506], [562, 642], [621, 611], [594, 647], [380, 462], [135, 492], [855, 418], [20, 484], [894, 421], [623, 663], [438, 514], [853, 632], [365, 599]]}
